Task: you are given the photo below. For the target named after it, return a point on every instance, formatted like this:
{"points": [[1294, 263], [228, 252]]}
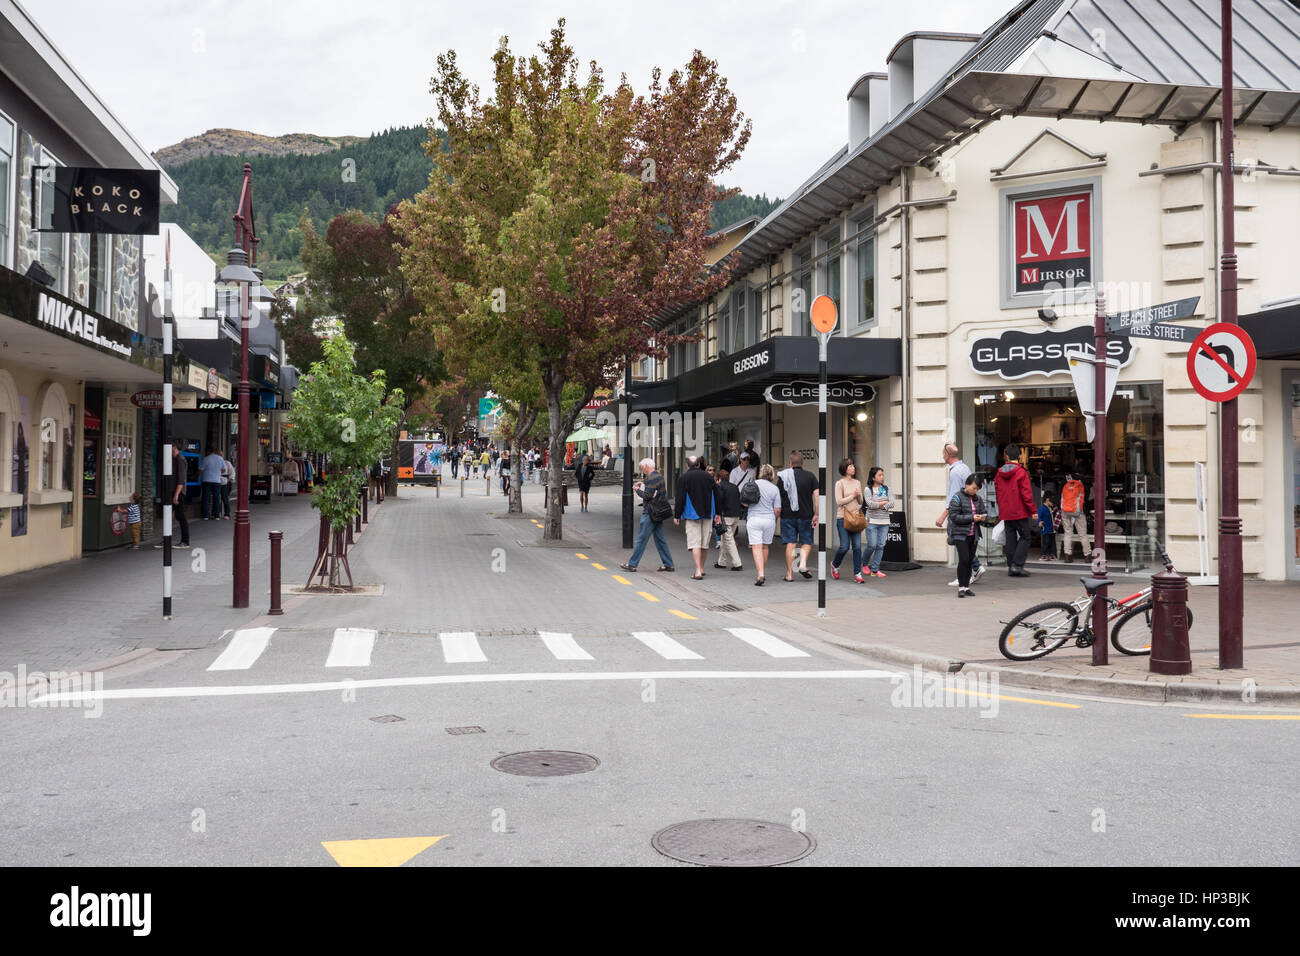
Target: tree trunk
{"points": [[523, 425], [554, 528], [391, 481]]}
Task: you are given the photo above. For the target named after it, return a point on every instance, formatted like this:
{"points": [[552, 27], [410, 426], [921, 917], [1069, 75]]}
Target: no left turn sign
{"points": [[1221, 362]]}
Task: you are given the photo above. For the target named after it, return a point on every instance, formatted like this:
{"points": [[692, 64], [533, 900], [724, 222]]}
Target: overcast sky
{"points": [[334, 67]]}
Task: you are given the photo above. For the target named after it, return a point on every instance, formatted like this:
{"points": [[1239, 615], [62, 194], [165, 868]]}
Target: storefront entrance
{"points": [[1048, 427]]}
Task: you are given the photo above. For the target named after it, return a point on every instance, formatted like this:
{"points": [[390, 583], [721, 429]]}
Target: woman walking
{"points": [[878, 504], [761, 519], [848, 498], [966, 517], [586, 472]]}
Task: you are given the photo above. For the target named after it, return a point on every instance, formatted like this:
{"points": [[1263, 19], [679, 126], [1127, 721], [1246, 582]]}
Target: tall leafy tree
{"points": [[561, 216], [355, 269]]}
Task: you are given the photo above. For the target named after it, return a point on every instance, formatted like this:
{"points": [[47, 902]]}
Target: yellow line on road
{"points": [[681, 614], [1019, 700], [583, 556], [598, 567], [648, 596], [1247, 716], [621, 580]]}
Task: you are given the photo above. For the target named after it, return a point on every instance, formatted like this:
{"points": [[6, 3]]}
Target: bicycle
{"points": [[1043, 628]]}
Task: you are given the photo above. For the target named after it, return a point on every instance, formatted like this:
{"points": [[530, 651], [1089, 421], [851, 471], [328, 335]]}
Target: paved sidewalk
{"points": [[913, 617]]}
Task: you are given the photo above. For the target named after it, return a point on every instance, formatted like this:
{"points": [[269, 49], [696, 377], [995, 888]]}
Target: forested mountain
{"points": [[369, 174]]}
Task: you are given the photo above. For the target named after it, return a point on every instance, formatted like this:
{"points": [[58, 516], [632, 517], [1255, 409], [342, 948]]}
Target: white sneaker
{"points": [[954, 583], [978, 574]]}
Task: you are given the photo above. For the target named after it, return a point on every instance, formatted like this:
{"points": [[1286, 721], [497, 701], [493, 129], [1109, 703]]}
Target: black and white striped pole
{"points": [[166, 432], [823, 320]]}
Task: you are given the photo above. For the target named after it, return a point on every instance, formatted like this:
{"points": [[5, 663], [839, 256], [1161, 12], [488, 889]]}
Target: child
{"points": [[1047, 528], [133, 520]]}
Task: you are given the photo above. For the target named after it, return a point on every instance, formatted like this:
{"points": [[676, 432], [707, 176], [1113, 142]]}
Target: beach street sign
{"points": [[1151, 322]]}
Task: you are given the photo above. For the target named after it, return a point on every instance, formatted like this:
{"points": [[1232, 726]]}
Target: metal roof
{"points": [[1148, 61]]}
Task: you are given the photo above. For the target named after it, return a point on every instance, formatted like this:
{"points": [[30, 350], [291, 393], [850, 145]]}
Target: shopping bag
{"points": [[999, 534]]}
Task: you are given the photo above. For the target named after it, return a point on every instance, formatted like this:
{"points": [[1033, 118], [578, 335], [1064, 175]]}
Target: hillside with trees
{"points": [[369, 174]]}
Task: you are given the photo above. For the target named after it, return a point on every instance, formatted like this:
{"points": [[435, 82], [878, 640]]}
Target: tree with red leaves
{"points": [[560, 218]]}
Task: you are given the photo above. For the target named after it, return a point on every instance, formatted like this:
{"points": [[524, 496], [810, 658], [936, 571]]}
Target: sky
{"points": [[172, 69]]}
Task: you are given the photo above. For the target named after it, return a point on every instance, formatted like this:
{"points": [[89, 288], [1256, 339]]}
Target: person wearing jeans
{"points": [[210, 470], [878, 503], [966, 517], [848, 494], [649, 489]]}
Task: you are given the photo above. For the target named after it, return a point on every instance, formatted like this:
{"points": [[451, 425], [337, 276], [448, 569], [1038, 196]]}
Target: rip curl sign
{"points": [[105, 201], [1014, 354]]}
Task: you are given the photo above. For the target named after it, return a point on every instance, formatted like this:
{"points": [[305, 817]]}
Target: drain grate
{"points": [[730, 842], [465, 730], [725, 608], [545, 763], [480, 534], [387, 719]]}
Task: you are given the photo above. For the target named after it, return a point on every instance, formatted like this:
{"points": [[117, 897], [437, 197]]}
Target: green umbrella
{"points": [[588, 433]]}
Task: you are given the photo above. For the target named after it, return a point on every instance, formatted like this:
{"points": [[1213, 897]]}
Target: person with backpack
{"points": [[655, 510], [1016, 509], [1074, 517], [761, 515]]}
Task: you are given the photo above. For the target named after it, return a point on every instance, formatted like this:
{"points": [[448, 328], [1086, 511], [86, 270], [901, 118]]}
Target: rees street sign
{"points": [[1149, 323]]}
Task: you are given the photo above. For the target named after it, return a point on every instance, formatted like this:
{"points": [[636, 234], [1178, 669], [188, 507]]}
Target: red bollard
{"points": [[1170, 650], [276, 537]]}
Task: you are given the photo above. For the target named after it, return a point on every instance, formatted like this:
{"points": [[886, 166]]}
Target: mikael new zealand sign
{"points": [[1014, 354], [122, 201]]}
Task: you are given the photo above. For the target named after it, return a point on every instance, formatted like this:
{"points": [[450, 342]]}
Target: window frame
{"points": [[119, 466], [64, 278], [9, 221], [832, 260], [1007, 198], [801, 278], [866, 235]]}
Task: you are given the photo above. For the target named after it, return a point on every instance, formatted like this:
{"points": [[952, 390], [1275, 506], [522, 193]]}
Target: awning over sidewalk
{"points": [[740, 378], [1276, 332]]}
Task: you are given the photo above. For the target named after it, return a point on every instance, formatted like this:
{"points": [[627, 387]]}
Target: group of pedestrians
{"points": [[713, 501]]}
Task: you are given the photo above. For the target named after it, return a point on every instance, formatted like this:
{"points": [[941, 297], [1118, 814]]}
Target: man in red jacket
{"points": [[1015, 508]]}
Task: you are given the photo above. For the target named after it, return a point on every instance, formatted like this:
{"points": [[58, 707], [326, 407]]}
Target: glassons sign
{"points": [[1053, 241]]}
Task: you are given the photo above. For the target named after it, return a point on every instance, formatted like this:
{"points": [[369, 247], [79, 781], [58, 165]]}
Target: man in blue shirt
{"points": [[210, 471], [697, 503]]}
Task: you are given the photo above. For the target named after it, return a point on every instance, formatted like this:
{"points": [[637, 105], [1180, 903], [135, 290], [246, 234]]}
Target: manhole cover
{"points": [[545, 763], [387, 719], [464, 730], [733, 843]]}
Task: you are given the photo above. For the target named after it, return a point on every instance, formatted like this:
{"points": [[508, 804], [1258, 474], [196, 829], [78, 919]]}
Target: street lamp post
{"points": [[238, 274]]}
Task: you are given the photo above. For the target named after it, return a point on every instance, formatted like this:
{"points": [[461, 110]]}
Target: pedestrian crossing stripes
{"points": [[355, 646]]}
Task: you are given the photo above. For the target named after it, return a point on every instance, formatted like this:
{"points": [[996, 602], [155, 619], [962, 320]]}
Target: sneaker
{"points": [[835, 573], [880, 574], [954, 583], [977, 575], [859, 579], [965, 592]]}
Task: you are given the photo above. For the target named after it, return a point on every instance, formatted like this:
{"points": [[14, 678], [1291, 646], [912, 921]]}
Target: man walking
{"points": [[698, 505], [799, 515], [1015, 509], [210, 470], [729, 497], [958, 472], [180, 478], [649, 489]]}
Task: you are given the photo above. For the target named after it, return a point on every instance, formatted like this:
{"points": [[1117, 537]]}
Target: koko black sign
{"points": [[805, 393], [123, 201], [1014, 354]]}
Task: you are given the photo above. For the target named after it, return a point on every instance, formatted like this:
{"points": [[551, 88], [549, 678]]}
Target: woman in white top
{"points": [[761, 518], [848, 495], [878, 504]]}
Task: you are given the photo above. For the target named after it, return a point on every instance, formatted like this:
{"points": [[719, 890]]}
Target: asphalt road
{"points": [[262, 748]]}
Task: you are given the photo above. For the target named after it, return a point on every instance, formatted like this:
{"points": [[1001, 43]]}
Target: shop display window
{"points": [[119, 449], [1051, 432]]}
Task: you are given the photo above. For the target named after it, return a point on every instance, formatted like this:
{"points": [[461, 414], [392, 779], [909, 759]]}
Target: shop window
{"points": [[101, 273], [831, 271], [865, 314], [737, 337], [52, 246], [722, 328], [9, 416], [755, 333], [801, 320], [7, 130], [50, 417], [119, 449]]}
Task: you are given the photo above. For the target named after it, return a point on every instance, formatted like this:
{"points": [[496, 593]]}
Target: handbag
{"points": [[855, 520], [659, 509]]}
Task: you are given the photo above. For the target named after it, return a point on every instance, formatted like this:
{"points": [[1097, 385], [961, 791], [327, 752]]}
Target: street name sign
{"points": [[1151, 322]]}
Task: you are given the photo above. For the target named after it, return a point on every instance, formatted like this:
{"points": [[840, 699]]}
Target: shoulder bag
{"points": [[855, 519]]}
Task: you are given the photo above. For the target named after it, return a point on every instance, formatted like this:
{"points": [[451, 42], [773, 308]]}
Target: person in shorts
{"points": [[799, 500]]}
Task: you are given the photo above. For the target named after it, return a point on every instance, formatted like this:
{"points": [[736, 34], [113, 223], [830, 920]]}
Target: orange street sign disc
{"points": [[823, 314]]}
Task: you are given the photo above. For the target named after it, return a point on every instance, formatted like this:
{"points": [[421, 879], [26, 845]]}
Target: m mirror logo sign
{"points": [[1013, 354], [1053, 241]]}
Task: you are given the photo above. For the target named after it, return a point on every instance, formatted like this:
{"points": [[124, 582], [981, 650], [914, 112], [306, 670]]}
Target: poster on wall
{"points": [[1053, 241], [18, 523], [65, 518]]}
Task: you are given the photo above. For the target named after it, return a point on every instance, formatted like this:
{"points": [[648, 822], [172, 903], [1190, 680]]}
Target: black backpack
{"points": [[749, 492]]}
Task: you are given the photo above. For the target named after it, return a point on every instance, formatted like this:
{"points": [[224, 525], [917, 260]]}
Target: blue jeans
{"points": [[643, 534], [847, 539], [211, 499], [877, 535]]}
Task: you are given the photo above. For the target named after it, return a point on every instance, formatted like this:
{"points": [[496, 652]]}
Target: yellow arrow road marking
{"points": [[648, 596], [681, 614], [621, 580], [388, 851], [598, 567], [583, 556]]}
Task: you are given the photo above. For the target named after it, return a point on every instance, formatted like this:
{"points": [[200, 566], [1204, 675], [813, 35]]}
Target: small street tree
{"points": [[560, 218], [350, 418]]}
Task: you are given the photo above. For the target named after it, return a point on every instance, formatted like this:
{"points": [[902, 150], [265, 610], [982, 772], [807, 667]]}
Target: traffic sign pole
{"points": [[1100, 654], [1230, 566], [824, 316]]}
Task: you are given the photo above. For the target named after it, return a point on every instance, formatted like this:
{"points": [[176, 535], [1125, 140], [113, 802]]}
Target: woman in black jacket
{"points": [[586, 472], [966, 516]]}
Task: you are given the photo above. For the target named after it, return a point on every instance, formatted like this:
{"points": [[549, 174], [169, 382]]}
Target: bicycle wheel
{"points": [[1038, 631], [1132, 631]]}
